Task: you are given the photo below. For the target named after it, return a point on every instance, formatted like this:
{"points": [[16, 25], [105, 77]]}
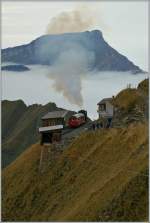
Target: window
{"points": [[102, 107]]}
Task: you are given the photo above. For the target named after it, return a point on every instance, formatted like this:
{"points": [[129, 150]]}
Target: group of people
{"points": [[99, 125]]}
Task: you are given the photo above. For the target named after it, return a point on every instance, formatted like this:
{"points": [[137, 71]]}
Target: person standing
{"points": [[93, 126]]}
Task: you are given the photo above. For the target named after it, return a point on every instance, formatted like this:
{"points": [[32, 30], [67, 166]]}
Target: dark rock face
{"points": [[17, 68], [45, 50]]}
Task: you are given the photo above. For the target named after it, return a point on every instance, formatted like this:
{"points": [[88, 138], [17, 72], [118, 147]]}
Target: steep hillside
{"points": [[47, 49], [19, 127], [132, 104], [103, 175]]}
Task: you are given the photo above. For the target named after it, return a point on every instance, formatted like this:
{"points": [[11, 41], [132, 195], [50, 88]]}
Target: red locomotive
{"points": [[78, 119]]}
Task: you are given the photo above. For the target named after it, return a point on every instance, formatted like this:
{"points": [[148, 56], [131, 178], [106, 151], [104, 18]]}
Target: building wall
{"points": [[51, 137], [109, 112], [54, 121], [109, 108]]}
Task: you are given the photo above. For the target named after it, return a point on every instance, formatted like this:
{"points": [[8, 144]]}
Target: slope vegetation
{"points": [[132, 105], [102, 176]]}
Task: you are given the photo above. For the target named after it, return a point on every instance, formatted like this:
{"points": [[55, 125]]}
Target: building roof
{"points": [[104, 100], [50, 128], [55, 114]]}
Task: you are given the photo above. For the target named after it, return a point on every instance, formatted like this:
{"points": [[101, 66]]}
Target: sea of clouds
{"points": [[39, 85]]}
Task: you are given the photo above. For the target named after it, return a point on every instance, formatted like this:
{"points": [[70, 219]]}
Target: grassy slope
{"points": [[19, 127], [99, 177]]}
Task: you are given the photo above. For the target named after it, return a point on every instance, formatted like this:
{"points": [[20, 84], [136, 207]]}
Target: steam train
{"points": [[78, 119]]}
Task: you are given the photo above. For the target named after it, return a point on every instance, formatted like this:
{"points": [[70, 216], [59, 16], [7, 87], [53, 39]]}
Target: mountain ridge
{"points": [[45, 50]]}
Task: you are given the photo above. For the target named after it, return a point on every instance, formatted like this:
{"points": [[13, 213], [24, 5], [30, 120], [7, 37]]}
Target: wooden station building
{"points": [[105, 108], [106, 112], [52, 126]]}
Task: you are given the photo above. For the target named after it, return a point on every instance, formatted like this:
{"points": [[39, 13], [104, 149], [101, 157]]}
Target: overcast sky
{"points": [[124, 24]]}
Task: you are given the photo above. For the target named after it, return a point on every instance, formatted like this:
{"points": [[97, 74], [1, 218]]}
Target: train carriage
{"points": [[77, 120]]}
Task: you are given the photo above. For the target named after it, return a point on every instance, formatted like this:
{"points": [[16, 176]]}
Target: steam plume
{"points": [[68, 70]]}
